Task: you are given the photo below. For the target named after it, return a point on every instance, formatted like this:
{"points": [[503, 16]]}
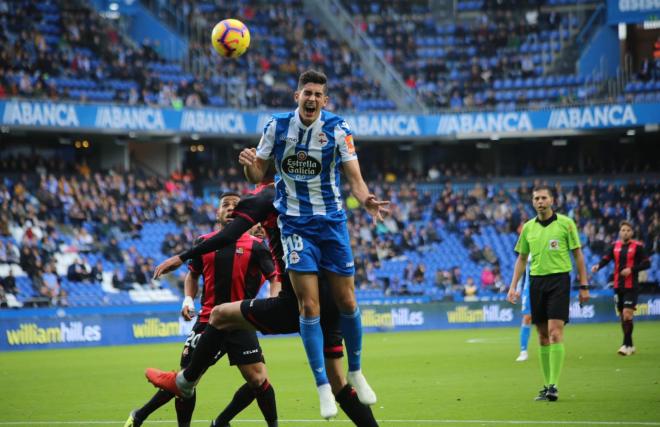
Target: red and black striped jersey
{"points": [[626, 255], [232, 273], [254, 208]]}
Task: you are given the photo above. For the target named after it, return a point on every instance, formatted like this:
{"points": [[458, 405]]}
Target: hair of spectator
{"points": [[544, 188], [312, 76]]}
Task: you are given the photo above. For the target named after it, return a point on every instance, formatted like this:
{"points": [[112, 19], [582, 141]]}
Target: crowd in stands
{"points": [[64, 50], [65, 208], [420, 218], [61, 50], [64, 224], [496, 58]]}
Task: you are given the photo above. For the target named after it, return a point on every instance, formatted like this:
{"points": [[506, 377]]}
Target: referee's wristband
{"points": [[584, 287]]}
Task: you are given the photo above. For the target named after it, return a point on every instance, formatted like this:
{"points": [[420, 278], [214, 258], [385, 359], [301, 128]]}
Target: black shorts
{"points": [[280, 315], [625, 298], [242, 347], [550, 297]]}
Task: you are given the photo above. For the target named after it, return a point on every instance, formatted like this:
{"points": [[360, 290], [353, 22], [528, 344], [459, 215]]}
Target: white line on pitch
{"points": [[319, 421]]}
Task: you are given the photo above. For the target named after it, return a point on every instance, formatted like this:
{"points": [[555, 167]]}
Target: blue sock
{"points": [[312, 338], [351, 329], [524, 336]]}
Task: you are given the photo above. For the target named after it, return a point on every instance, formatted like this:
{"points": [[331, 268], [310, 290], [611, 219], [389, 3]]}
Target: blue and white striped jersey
{"points": [[307, 160]]}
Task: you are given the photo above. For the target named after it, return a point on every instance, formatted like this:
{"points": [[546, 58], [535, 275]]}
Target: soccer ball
{"points": [[230, 38]]}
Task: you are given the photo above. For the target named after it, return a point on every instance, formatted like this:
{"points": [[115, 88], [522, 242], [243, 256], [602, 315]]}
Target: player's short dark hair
{"points": [[229, 193], [628, 223], [313, 76], [544, 188]]}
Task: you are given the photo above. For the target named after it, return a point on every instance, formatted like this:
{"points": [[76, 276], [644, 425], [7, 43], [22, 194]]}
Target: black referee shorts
{"points": [[280, 315], [242, 347], [550, 297]]}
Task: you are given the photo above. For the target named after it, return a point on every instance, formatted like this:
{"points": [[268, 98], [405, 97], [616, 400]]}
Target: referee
{"points": [[549, 238]]}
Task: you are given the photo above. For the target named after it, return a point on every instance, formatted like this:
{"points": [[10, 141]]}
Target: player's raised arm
{"points": [[254, 167], [376, 208], [227, 236]]}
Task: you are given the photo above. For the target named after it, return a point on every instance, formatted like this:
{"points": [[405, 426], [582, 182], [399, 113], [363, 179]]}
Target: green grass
{"points": [[435, 375]]}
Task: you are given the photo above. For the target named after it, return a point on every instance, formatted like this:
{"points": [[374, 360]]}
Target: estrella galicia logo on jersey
{"points": [[301, 166]]}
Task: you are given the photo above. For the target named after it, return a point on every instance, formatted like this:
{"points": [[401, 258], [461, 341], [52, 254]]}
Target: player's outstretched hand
{"points": [[512, 296], [248, 156], [170, 264], [594, 268], [377, 208]]}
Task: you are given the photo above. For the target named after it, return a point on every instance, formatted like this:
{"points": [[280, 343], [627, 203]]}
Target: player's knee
{"points": [[556, 336], [218, 315], [309, 307], [627, 315], [256, 377], [346, 302]]}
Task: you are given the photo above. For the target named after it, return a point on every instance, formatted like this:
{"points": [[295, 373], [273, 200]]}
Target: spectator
{"points": [[470, 290], [97, 272], [8, 283], [419, 275]]}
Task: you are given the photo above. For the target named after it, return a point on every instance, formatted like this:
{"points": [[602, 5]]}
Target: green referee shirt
{"points": [[550, 243]]}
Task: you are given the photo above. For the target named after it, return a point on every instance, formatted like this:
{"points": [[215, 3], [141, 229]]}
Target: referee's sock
{"points": [[265, 395], [209, 345], [557, 354], [360, 414], [184, 409], [241, 400], [351, 329], [544, 358], [312, 338], [524, 336], [159, 399]]}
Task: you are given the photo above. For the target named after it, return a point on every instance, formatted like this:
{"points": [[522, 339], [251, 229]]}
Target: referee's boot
{"points": [[552, 394], [543, 394]]}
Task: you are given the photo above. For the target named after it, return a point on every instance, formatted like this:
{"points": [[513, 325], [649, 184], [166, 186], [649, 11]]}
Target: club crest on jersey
{"points": [[294, 258], [554, 245], [301, 166], [323, 139]]}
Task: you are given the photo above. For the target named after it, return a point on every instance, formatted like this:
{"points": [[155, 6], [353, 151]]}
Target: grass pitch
{"points": [[457, 377]]}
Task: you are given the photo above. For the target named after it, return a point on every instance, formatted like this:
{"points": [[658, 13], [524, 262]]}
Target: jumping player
{"points": [[278, 315]]}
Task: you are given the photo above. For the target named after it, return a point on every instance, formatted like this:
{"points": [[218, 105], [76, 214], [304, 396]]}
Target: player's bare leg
{"points": [[228, 317], [306, 287], [343, 292]]}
